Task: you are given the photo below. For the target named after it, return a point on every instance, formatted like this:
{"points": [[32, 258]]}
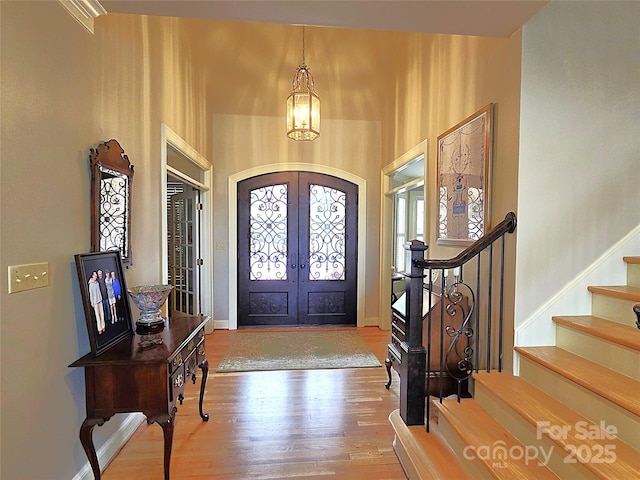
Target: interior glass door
{"points": [[184, 253]]}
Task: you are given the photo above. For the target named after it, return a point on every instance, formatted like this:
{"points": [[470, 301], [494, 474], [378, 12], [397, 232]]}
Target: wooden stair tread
{"points": [[615, 387], [624, 292], [534, 405], [429, 455], [478, 428], [632, 259], [614, 332]]}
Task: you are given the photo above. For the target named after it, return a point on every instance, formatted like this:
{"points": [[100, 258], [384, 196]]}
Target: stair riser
{"points": [[588, 404], [405, 460], [614, 309], [611, 355], [474, 467], [549, 453], [422, 455], [633, 275]]}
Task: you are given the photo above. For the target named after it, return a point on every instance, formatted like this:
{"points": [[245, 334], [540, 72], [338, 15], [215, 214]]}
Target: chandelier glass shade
{"points": [[303, 105]]}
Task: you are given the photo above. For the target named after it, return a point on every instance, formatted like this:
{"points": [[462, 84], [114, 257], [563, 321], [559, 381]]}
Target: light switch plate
{"points": [[28, 276]]}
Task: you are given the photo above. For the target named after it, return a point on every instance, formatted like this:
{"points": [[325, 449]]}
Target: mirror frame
{"points": [[110, 155]]}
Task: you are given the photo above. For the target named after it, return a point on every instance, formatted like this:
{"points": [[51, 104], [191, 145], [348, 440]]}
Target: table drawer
{"points": [[193, 360], [181, 357], [184, 365], [176, 383]]}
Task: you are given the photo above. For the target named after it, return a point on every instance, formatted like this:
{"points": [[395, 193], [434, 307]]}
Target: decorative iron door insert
{"points": [[297, 259]]}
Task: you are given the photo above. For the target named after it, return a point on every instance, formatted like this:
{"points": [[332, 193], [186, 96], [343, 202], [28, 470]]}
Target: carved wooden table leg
{"points": [[167, 424], [387, 363], [87, 443], [205, 373]]}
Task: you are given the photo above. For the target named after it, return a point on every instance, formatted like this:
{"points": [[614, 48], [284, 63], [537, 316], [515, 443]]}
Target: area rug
{"points": [[297, 350]]}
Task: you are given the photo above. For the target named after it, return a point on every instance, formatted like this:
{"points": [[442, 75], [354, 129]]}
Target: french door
{"points": [[184, 252], [297, 258]]}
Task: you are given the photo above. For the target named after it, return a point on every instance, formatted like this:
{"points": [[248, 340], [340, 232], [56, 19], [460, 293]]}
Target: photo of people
{"points": [[104, 294], [95, 297], [114, 293]]}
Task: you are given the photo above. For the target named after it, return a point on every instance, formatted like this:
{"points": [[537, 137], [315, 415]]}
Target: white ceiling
{"points": [[493, 18]]}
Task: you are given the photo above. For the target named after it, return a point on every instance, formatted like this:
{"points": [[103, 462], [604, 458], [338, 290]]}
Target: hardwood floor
{"points": [[311, 424]]}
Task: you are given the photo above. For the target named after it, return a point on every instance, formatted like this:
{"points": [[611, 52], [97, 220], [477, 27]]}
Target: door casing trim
{"points": [[171, 138], [233, 227]]}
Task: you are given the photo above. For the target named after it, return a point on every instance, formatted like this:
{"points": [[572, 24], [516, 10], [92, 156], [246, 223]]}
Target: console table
{"points": [[129, 378]]}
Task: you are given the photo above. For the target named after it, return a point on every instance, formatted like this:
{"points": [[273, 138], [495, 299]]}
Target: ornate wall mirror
{"points": [[111, 179]]}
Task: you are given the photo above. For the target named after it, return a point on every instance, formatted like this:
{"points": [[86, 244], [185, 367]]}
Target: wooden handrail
{"points": [[437, 349], [508, 225]]}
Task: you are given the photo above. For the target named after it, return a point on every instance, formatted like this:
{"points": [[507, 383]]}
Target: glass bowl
{"points": [[150, 299]]}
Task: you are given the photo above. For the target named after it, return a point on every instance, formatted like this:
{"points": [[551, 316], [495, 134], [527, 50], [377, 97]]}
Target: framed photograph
{"points": [[104, 295], [464, 166]]}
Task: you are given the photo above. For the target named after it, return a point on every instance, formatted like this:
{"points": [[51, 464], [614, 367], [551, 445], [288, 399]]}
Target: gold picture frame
{"points": [[463, 173]]}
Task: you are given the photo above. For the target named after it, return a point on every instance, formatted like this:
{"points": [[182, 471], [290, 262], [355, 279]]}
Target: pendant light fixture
{"points": [[303, 105]]}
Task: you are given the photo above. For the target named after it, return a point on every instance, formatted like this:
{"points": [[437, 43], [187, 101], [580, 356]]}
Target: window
{"points": [[400, 232], [407, 193]]}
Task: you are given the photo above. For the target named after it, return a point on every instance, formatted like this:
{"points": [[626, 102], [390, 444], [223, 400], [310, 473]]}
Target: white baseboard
{"points": [[112, 446], [370, 322], [221, 324]]}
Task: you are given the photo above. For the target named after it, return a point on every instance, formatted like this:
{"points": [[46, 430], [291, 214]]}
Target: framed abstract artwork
{"points": [[464, 166]]}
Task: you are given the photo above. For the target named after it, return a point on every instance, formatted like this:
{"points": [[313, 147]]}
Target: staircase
{"points": [[572, 413]]}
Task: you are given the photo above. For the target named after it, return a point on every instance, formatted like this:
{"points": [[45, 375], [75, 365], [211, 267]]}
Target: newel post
{"points": [[412, 376]]}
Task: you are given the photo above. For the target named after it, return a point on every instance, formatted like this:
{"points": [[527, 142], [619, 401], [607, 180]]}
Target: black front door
{"points": [[297, 259]]}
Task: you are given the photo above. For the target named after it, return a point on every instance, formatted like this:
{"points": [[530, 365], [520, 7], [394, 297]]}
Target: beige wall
{"points": [[147, 77], [446, 79], [350, 147], [63, 91], [437, 80], [580, 154]]}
